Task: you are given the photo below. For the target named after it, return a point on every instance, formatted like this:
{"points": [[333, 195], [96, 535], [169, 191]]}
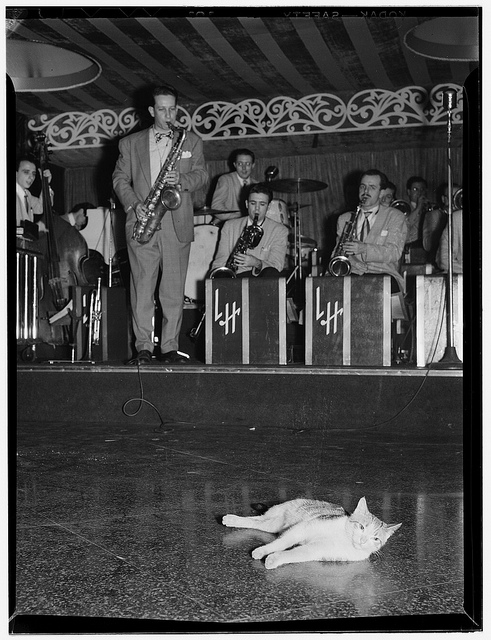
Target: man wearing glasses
{"points": [[232, 188]]}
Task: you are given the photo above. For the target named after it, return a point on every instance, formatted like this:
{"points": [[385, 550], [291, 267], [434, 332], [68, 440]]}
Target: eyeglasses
{"points": [[243, 164]]}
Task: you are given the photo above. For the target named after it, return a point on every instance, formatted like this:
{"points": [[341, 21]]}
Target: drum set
{"points": [[206, 235]]}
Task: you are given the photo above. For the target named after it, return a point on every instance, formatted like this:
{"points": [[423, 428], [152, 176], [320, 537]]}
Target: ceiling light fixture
{"points": [[39, 66], [452, 39]]}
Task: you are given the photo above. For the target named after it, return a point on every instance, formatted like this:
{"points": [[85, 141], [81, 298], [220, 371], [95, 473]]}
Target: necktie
{"points": [[365, 230], [26, 198]]}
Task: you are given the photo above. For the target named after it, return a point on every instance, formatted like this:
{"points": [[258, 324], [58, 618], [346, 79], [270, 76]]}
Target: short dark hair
{"points": [[391, 185], [261, 187], [165, 90], [414, 179], [244, 152], [26, 157], [375, 172], [82, 205]]}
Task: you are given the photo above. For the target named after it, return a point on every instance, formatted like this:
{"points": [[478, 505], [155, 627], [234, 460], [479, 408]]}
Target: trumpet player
{"points": [[268, 258], [142, 156], [381, 232]]}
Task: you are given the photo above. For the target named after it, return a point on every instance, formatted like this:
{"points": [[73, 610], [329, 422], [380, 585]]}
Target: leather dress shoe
{"points": [[142, 357], [173, 357]]}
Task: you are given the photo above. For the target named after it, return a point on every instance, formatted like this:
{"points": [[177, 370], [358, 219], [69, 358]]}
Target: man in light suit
{"points": [[268, 257], [231, 190], [381, 232], [141, 157]]}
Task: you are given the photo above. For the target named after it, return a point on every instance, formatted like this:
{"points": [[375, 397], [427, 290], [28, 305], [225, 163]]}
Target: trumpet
{"points": [[402, 205], [339, 265], [95, 317]]}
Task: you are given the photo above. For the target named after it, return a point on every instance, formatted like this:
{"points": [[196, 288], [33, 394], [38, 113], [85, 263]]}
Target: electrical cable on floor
{"points": [[142, 401]]}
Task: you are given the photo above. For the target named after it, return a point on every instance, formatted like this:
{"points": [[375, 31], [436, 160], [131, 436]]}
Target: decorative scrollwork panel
{"points": [[318, 113]]}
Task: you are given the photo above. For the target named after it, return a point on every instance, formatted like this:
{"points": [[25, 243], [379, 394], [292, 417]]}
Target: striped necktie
{"points": [[365, 230]]}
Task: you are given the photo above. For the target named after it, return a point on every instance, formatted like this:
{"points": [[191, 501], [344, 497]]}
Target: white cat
{"points": [[316, 530]]}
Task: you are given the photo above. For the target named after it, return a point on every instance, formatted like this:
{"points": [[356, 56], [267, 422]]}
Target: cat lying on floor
{"points": [[315, 530]]}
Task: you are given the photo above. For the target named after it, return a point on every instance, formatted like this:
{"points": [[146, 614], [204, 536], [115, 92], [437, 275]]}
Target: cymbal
{"points": [[293, 207], [208, 211], [297, 185], [306, 242]]}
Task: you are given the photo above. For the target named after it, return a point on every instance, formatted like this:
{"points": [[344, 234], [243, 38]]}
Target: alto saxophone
{"points": [[339, 265], [162, 197], [249, 239]]}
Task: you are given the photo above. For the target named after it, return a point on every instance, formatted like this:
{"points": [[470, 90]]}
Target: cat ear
{"points": [[392, 528], [361, 507]]}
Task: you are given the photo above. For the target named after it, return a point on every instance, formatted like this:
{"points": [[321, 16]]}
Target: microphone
{"points": [[271, 173], [450, 99]]}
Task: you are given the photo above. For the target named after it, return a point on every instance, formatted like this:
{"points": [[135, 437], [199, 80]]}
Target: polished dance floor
{"points": [[119, 520]]}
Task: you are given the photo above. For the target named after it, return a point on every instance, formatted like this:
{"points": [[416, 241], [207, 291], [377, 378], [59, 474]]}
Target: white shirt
{"points": [[158, 153], [363, 217]]}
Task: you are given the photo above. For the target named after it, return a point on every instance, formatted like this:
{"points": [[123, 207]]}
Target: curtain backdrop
{"points": [[340, 171]]}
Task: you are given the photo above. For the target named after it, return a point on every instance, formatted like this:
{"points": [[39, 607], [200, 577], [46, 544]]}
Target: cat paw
{"points": [[258, 553], [272, 561], [229, 520]]}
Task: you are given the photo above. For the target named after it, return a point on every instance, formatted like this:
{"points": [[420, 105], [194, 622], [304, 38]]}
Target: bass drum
{"points": [[308, 245], [278, 211], [201, 256]]}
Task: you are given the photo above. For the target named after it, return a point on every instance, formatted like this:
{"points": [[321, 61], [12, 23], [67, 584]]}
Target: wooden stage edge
{"points": [[186, 369]]}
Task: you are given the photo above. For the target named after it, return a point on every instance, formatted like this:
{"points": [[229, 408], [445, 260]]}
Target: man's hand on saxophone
{"points": [[247, 261], [173, 178], [354, 247], [141, 211]]}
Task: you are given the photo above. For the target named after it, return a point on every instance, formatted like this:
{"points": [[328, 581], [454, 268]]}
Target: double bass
{"points": [[68, 263]]}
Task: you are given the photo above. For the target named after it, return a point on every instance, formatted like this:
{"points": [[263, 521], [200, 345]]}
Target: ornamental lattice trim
{"points": [[282, 116]]}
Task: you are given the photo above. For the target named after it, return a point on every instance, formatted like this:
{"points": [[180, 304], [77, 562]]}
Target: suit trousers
{"points": [[164, 252]]}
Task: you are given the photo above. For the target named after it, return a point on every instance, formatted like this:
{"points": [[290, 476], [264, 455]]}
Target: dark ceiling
{"points": [[229, 58]]}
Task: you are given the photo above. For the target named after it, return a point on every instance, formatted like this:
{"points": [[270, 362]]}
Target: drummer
{"points": [[231, 190]]}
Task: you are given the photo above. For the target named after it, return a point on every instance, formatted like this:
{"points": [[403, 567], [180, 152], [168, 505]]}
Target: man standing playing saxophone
{"points": [[141, 157]]}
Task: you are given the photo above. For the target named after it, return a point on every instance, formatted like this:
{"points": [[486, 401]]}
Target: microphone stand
{"points": [[450, 359]]}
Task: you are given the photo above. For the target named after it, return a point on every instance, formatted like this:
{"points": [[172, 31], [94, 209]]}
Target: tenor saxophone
{"points": [[249, 239], [339, 264], [162, 197]]}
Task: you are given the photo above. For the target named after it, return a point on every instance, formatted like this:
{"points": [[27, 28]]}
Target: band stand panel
{"points": [[431, 317], [245, 321], [348, 321], [114, 332]]}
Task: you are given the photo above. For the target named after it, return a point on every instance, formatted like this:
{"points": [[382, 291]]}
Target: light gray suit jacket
{"points": [[385, 244], [229, 195], [131, 178]]}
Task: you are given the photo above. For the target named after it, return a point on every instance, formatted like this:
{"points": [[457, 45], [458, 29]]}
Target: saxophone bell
{"points": [[339, 265]]}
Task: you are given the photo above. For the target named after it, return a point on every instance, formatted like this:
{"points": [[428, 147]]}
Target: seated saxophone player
{"points": [[380, 233], [142, 159], [268, 257]]}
